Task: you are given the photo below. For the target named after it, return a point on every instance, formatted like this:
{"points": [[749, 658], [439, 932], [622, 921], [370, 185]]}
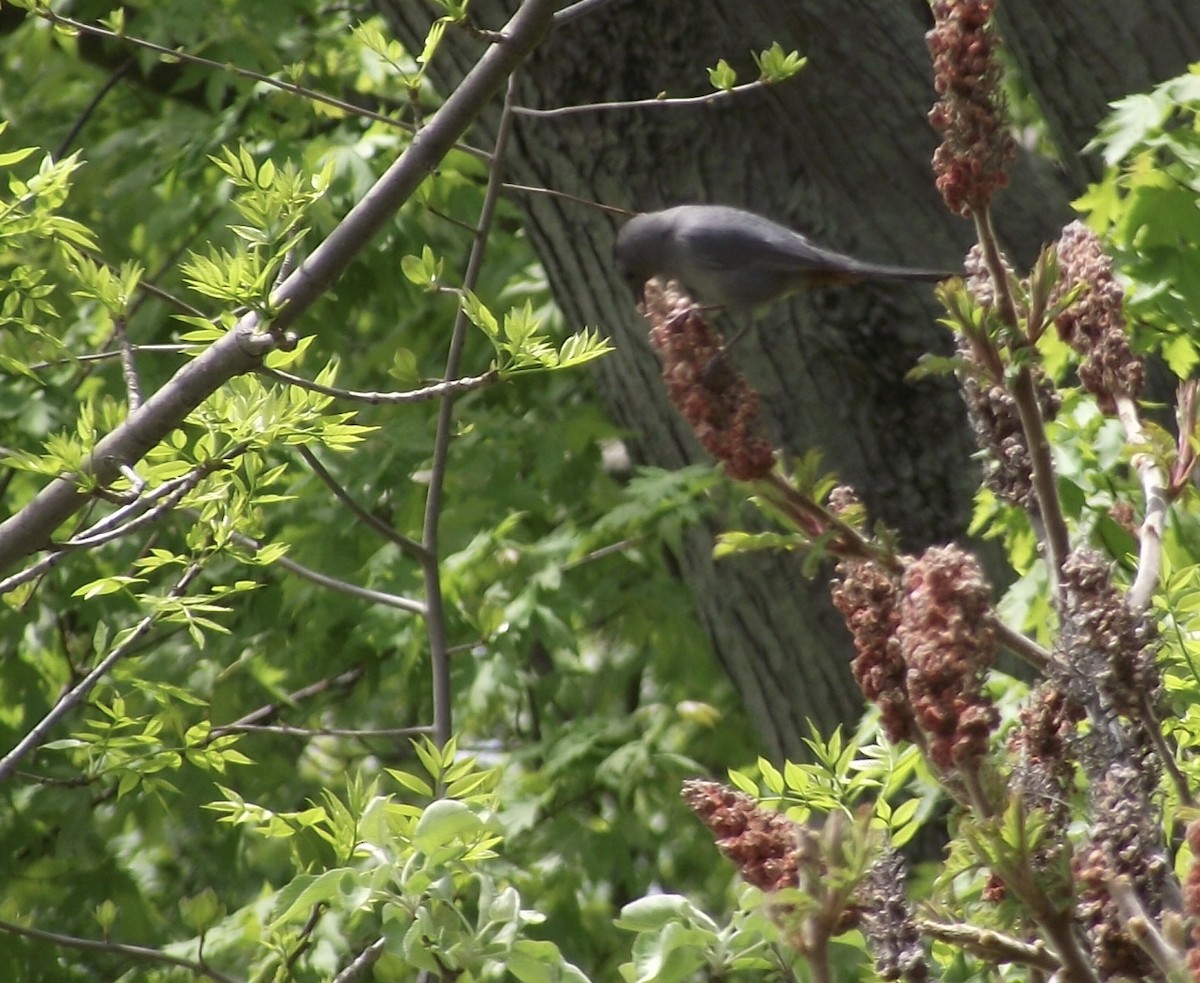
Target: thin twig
{"points": [[989, 944], [141, 511], [397, 601], [409, 546], [291, 88], [1154, 491], [708, 99], [977, 795], [578, 9], [434, 391], [343, 680], [816, 520], [1024, 392], [93, 104], [142, 953], [40, 732], [564, 196], [1153, 728], [361, 963], [1020, 645], [621, 546], [304, 939], [106, 355], [289, 731], [436, 622]]}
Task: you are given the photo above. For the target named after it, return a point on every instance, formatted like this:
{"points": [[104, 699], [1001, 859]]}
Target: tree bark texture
{"points": [[841, 152]]}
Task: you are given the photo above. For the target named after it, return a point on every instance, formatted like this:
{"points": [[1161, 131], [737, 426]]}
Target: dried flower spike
{"points": [[868, 598], [1191, 899], [716, 401], [948, 645], [1094, 322], [1103, 645], [971, 162], [888, 924], [1125, 841], [761, 842]]}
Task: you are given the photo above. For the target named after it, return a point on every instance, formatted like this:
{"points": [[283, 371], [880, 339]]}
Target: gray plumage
{"points": [[737, 259]]}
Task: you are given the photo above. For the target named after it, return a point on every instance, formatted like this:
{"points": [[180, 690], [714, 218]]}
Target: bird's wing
{"points": [[744, 238]]}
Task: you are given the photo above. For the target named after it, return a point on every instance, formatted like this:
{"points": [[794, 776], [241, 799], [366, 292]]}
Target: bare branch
{"points": [[1154, 490], [290, 731], [141, 511], [361, 963], [106, 355], [435, 622], [397, 601], [563, 196], [409, 546], [434, 391], [243, 348], [578, 9], [708, 99], [131, 951], [179, 55], [40, 732], [93, 104], [1019, 645], [343, 680], [991, 945]]}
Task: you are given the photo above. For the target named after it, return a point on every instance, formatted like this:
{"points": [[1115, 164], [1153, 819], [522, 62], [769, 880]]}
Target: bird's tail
{"points": [[852, 271], [880, 271]]}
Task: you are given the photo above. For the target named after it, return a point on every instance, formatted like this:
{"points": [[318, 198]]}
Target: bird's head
{"points": [[641, 250]]}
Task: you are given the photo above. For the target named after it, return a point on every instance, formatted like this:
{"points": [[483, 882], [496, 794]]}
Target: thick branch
{"points": [[239, 351], [243, 348]]}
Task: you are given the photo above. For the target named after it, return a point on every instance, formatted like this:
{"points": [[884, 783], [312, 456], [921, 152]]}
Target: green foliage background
{"points": [[247, 793], [581, 680]]}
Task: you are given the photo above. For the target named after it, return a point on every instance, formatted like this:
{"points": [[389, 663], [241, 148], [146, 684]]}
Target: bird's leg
{"points": [[718, 366], [738, 335]]}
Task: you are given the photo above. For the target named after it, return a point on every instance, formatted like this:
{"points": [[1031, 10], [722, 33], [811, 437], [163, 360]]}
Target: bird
{"points": [[731, 258]]}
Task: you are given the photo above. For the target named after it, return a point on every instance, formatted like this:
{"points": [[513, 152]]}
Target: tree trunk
{"points": [[1077, 58], [841, 152]]}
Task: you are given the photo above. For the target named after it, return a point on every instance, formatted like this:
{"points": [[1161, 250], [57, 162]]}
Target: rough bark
{"points": [[1077, 58], [842, 152]]}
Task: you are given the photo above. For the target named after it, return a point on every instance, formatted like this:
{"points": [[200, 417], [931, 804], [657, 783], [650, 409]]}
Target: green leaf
{"points": [[743, 783], [425, 271], [479, 315], [722, 76], [298, 898], [105, 914], [776, 66], [656, 911], [15, 156], [446, 821], [772, 777], [411, 782], [106, 585], [201, 911]]}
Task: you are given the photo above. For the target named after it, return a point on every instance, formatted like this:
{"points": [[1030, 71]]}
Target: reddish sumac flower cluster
{"points": [[972, 160], [718, 403]]}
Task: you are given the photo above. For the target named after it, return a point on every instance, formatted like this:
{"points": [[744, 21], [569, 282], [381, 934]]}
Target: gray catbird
{"points": [[736, 259]]}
